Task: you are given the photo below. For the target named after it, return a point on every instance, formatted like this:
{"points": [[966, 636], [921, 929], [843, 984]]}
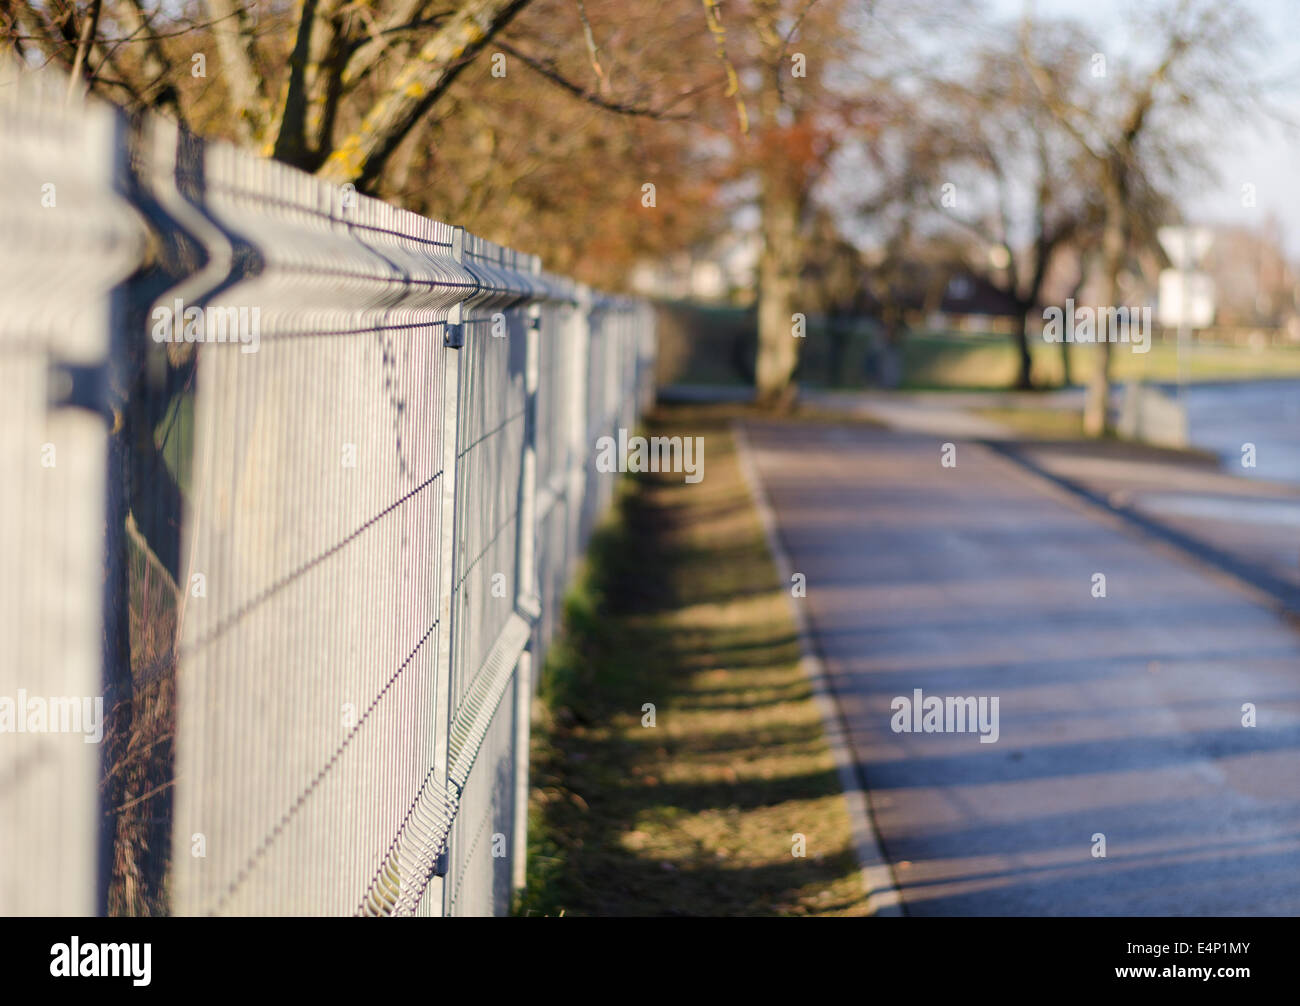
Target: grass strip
{"points": [[679, 606]]}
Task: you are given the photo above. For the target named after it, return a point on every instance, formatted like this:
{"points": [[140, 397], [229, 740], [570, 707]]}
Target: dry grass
{"points": [[680, 607], [140, 736]]}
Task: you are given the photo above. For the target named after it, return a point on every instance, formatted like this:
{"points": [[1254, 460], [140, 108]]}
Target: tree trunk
{"points": [[891, 360], [1067, 375], [1024, 378], [1096, 407], [778, 283]]}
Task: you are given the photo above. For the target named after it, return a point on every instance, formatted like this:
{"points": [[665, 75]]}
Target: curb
{"points": [[883, 896]]}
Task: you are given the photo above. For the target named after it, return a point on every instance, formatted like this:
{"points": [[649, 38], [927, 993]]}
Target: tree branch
{"points": [[550, 73], [290, 144], [593, 50], [420, 83], [409, 15], [159, 91], [719, 34], [238, 53], [46, 37], [89, 25], [1064, 112]]}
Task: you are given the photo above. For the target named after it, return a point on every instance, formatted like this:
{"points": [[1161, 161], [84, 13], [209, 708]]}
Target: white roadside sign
{"points": [[1185, 299], [1185, 246]]}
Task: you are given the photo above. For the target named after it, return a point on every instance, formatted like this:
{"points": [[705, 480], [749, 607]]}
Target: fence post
{"points": [[527, 601], [576, 428], [453, 340], [70, 245]]}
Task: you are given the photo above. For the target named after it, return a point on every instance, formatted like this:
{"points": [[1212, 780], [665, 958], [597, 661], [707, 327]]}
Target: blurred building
{"points": [[1256, 288], [724, 271]]}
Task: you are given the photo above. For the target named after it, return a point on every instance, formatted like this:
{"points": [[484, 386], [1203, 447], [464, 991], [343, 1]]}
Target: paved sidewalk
{"points": [[1118, 716], [1250, 527]]}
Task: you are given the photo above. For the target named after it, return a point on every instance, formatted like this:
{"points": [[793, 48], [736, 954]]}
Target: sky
{"points": [[1267, 157]]}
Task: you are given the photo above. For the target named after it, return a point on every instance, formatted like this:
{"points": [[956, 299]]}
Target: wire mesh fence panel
{"points": [[489, 460], [488, 633], [308, 661], [348, 480], [558, 452], [478, 881]]}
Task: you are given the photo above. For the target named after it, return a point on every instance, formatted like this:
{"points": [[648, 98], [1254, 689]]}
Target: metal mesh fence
{"points": [[326, 482], [62, 215]]}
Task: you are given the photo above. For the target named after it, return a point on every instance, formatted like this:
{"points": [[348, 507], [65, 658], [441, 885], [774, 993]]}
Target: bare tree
{"points": [[1134, 127], [776, 55], [1016, 178]]}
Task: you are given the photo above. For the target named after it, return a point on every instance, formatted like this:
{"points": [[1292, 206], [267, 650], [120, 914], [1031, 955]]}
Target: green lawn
{"points": [[710, 345], [944, 361]]}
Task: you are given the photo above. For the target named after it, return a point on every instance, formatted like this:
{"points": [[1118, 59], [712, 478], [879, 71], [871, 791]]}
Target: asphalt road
{"points": [[1118, 716]]}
